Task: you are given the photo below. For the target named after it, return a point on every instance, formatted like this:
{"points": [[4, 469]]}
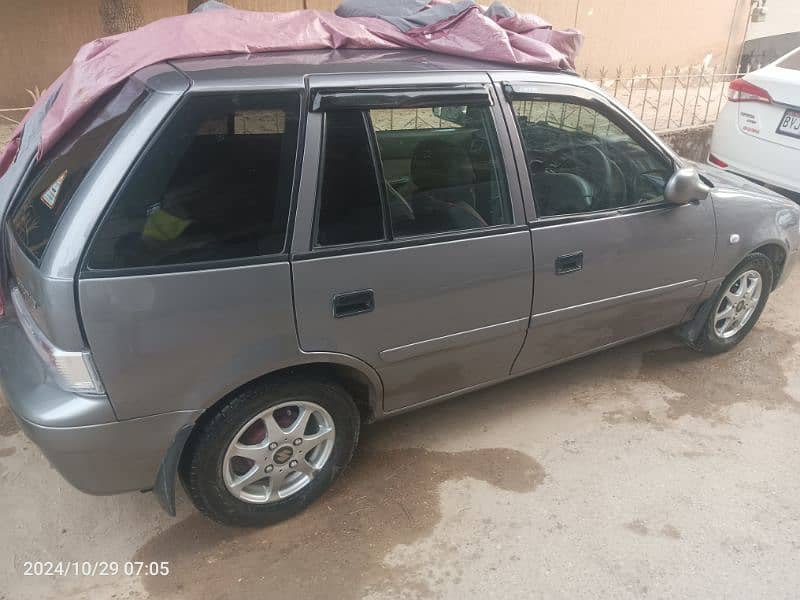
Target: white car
{"points": [[758, 131]]}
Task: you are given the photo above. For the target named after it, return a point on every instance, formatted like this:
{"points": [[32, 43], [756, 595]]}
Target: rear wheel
{"points": [[737, 305], [270, 451]]}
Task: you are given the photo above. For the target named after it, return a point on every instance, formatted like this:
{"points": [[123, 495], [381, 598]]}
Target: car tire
{"points": [[714, 338], [211, 470]]}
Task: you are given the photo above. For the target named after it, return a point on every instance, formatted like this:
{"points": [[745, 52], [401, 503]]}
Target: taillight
{"points": [[716, 161], [72, 371], [740, 90]]}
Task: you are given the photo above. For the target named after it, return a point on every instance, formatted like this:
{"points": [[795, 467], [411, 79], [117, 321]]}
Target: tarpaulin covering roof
{"points": [[462, 28]]}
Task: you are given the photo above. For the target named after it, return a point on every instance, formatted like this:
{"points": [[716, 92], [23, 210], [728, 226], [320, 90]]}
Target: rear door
{"points": [[185, 291], [410, 249], [613, 261]]}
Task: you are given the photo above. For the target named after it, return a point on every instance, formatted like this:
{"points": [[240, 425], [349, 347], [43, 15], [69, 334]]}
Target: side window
{"points": [[581, 161], [442, 169], [215, 185], [439, 170], [349, 198]]}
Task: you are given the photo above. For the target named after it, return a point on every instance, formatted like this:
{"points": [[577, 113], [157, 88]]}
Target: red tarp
{"points": [[523, 40]]}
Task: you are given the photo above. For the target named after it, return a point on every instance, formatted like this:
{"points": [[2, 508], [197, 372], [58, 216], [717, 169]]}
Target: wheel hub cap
{"points": [[738, 304], [278, 452], [282, 455]]}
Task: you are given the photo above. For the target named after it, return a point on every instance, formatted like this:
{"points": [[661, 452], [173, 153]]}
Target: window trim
{"points": [[389, 241], [377, 165], [208, 265], [583, 97], [606, 213], [408, 242], [86, 272]]}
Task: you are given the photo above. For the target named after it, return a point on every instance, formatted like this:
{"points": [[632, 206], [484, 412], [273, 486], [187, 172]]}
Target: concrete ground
{"points": [[647, 471]]}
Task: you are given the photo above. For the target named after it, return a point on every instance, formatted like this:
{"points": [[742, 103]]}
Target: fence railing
{"points": [[669, 97]]}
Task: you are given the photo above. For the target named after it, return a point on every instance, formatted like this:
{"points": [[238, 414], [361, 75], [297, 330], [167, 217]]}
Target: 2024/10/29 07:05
{"points": [[101, 568]]}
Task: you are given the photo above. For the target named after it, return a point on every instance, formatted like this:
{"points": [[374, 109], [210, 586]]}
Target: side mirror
{"points": [[685, 186]]}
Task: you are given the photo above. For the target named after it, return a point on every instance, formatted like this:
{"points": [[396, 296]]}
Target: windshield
{"points": [[54, 180]]}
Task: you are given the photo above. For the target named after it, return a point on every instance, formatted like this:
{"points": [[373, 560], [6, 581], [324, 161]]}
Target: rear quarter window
{"points": [[54, 180]]}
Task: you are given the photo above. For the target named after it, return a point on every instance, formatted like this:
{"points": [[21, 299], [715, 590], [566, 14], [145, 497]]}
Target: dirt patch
{"points": [[636, 415], [8, 424], [707, 385], [335, 549], [638, 526], [671, 531], [696, 453], [4, 452]]}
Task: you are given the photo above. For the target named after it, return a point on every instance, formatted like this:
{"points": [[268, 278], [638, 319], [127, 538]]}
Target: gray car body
{"points": [[452, 314]]}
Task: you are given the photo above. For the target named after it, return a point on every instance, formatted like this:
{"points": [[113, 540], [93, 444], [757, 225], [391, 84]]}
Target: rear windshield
{"points": [[53, 181], [791, 62]]}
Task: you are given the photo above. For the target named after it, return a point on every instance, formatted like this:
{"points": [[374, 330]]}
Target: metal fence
{"points": [[669, 97]]}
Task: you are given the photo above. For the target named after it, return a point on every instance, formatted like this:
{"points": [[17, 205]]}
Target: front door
{"points": [[612, 260], [410, 250]]}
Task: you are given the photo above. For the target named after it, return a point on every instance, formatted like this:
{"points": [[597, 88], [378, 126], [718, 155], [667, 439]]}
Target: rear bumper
{"points": [[79, 435], [110, 458], [753, 157]]}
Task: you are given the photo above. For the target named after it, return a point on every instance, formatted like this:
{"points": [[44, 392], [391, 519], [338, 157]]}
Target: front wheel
{"points": [[737, 305], [269, 451]]}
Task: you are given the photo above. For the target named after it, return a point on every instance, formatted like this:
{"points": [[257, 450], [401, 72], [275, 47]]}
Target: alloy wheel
{"points": [[278, 452], [737, 305]]}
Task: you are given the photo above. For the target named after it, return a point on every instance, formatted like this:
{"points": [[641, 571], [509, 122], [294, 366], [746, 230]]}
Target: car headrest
{"points": [[561, 193], [436, 164]]}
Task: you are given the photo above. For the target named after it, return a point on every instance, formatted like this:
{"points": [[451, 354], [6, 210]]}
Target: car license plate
{"points": [[790, 123]]}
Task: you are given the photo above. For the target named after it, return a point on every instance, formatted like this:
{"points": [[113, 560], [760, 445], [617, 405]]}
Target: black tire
{"points": [[708, 341], [202, 460]]}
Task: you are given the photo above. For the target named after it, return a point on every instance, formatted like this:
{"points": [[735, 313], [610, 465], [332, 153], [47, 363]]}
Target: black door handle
{"points": [[353, 303], [569, 263]]}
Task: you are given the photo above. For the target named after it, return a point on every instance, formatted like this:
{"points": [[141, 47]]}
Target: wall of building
{"points": [[783, 17], [38, 38], [659, 32], [690, 142]]}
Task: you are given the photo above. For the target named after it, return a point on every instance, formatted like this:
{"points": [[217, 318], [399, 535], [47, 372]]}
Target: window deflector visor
{"points": [[72, 371], [473, 94], [520, 91]]}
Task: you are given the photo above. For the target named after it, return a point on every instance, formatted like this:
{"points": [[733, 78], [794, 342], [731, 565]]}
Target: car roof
{"points": [[289, 69]]}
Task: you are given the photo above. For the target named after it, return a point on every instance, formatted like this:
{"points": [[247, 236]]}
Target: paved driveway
{"points": [[645, 471]]}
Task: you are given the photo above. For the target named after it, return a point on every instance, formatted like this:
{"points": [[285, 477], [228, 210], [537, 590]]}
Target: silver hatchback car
{"points": [[232, 263]]}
